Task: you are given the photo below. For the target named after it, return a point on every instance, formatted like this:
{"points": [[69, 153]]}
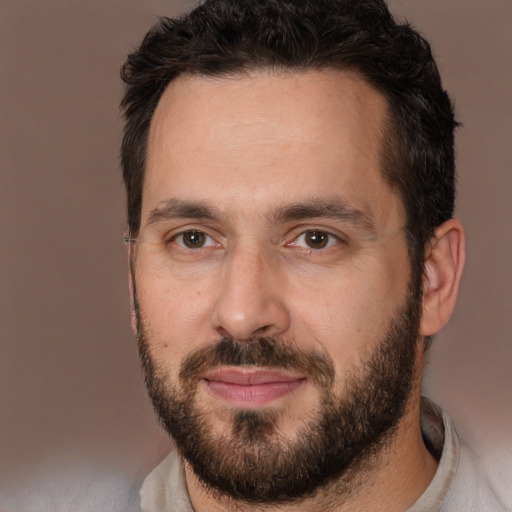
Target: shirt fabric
{"points": [[457, 486]]}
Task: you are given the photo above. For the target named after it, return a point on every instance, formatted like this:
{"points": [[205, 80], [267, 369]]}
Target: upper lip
{"points": [[250, 376]]}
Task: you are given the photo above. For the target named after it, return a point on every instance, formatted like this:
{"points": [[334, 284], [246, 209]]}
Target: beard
{"points": [[251, 461]]}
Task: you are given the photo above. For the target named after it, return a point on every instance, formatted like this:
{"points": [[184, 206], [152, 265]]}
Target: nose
{"points": [[250, 302]]}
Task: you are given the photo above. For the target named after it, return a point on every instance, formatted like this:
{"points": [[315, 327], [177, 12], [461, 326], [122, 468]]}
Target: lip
{"points": [[251, 388]]}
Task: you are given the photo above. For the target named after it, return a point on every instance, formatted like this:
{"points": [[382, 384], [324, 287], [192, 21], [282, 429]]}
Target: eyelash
{"points": [[210, 242], [196, 232], [330, 239]]}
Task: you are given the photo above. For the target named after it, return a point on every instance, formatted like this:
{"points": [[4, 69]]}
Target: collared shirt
{"points": [[457, 485]]}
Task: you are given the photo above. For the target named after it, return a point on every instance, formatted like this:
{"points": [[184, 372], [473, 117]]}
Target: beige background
{"points": [[77, 432]]}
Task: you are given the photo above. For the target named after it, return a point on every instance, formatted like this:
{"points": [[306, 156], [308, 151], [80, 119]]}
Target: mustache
{"points": [[262, 351]]}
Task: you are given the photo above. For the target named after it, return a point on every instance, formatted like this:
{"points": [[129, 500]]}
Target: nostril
{"points": [[223, 332], [261, 330]]}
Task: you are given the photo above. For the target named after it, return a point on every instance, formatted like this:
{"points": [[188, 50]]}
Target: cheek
{"points": [[176, 313], [347, 313], [338, 323]]}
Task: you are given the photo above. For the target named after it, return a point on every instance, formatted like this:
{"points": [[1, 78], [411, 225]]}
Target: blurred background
{"points": [[77, 432]]}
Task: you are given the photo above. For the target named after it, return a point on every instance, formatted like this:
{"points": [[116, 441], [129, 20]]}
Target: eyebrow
{"points": [[182, 209], [335, 208]]}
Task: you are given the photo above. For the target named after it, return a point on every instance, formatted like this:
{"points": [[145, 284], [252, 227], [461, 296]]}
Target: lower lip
{"points": [[247, 396]]}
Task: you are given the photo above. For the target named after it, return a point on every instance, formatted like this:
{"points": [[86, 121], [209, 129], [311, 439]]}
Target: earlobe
{"points": [[445, 257]]}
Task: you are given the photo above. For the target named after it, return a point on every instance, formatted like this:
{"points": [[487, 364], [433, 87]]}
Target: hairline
{"points": [[388, 126]]}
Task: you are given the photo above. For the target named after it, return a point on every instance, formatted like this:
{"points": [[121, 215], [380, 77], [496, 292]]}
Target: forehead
{"points": [[266, 135]]}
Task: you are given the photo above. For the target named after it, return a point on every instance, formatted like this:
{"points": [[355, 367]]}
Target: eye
{"points": [[193, 240], [316, 239]]}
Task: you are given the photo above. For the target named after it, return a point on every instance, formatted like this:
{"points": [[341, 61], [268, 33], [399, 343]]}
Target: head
{"points": [[289, 168], [226, 38]]}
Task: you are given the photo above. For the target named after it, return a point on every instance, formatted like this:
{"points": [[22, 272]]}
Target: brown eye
{"points": [[193, 240], [316, 239]]}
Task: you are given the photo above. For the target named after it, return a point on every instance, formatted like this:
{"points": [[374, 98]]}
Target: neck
{"points": [[392, 481]]}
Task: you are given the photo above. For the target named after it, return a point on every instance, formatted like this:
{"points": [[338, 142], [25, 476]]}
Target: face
{"points": [[272, 279]]}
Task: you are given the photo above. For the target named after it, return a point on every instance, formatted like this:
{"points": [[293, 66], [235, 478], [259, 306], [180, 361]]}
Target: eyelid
{"points": [[213, 238], [296, 234], [184, 226], [210, 242], [216, 239]]}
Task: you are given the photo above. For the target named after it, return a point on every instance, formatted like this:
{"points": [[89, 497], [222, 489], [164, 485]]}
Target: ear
{"points": [[131, 287], [444, 262]]}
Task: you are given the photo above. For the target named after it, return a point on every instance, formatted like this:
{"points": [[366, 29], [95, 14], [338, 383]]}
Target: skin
{"points": [[246, 148]]}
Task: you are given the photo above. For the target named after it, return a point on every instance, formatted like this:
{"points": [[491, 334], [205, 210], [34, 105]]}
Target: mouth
{"points": [[252, 387]]}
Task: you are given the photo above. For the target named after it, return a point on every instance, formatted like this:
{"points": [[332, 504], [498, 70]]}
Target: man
{"points": [[290, 176]]}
